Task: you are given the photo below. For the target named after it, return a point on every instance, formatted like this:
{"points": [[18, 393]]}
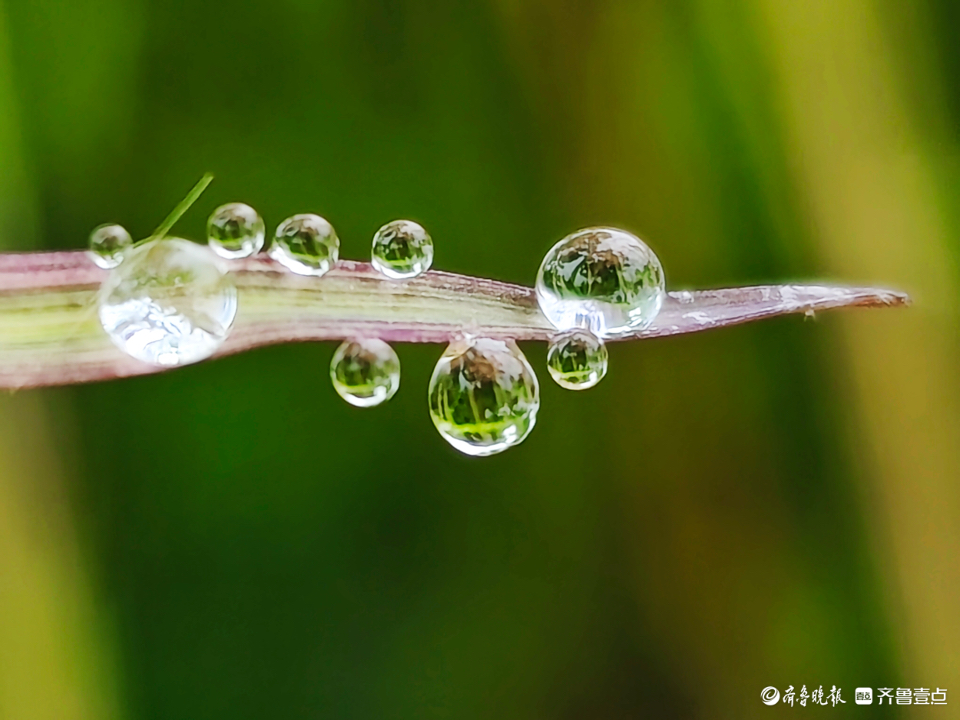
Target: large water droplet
{"points": [[306, 244], [603, 279], [402, 249], [365, 372], [108, 243], [577, 359], [169, 303], [235, 231], [484, 396]]}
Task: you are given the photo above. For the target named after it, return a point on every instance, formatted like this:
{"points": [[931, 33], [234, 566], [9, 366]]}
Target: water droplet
{"points": [[603, 279], [169, 303], [108, 243], [235, 231], [484, 396], [306, 244], [577, 359], [402, 250], [365, 372]]}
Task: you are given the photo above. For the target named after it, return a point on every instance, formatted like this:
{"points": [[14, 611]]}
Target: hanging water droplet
{"points": [[169, 303], [365, 372], [306, 244], [484, 396], [577, 359], [108, 243], [603, 279], [402, 250], [235, 231]]}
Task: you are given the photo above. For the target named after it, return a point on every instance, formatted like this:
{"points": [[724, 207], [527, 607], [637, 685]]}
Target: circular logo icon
{"points": [[770, 696]]}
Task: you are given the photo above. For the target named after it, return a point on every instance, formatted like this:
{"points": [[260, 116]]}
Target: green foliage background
{"points": [[766, 505]]}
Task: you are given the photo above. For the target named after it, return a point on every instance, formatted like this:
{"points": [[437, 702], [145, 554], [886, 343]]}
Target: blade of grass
{"points": [[182, 207], [48, 336]]}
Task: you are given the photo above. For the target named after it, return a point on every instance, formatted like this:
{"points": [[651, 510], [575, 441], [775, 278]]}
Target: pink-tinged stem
{"points": [[50, 334]]}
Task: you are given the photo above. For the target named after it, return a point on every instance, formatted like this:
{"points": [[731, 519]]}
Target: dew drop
{"points": [[402, 249], [484, 396], [235, 231], [169, 303], [306, 244], [603, 279], [365, 372], [108, 243], [577, 359]]}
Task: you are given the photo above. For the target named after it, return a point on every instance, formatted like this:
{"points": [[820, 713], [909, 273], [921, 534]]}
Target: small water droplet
{"points": [[108, 243], [402, 250], [603, 279], [306, 244], [235, 231], [484, 396], [169, 303], [365, 372], [577, 359]]}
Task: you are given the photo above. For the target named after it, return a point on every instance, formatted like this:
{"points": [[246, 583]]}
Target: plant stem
{"points": [[50, 333], [182, 207]]}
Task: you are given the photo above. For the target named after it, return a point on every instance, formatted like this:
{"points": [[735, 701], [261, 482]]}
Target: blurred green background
{"points": [[766, 505]]}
